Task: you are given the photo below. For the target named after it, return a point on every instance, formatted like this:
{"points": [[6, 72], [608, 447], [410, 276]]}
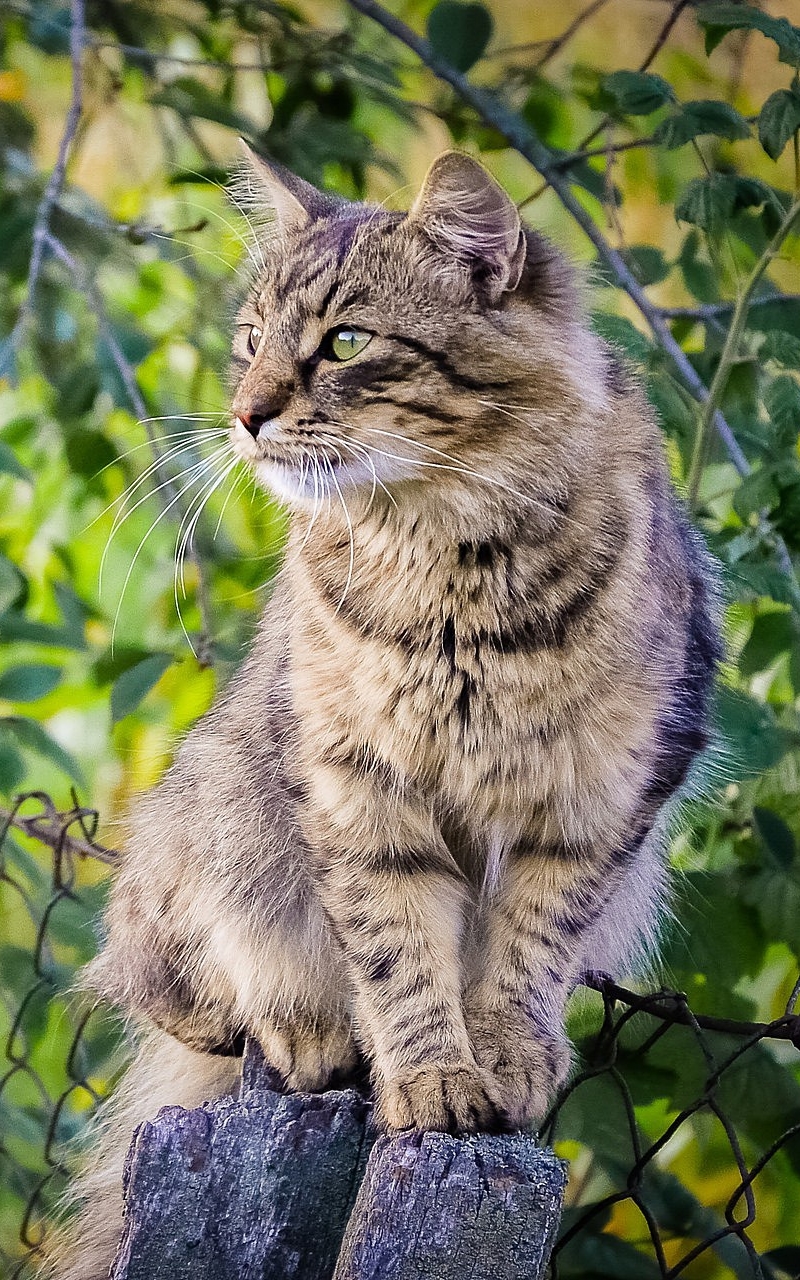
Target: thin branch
{"points": [[730, 349], [672, 1007], [555, 45], [644, 65], [53, 828], [715, 310], [127, 374], [55, 182]]}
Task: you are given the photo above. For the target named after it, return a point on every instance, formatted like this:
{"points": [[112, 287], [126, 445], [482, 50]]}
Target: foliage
{"points": [[678, 138]]}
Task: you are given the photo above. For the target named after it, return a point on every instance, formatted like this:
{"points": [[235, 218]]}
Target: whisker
{"points": [[124, 513], [349, 578], [161, 516], [163, 458], [187, 539]]}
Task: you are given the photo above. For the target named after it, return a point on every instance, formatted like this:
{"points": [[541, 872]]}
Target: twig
{"points": [[555, 45], [52, 827], [714, 310], [126, 372], [730, 349], [646, 62], [55, 182]]}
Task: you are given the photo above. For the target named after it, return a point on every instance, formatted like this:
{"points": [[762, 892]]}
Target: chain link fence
{"points": [[679, 1128]]}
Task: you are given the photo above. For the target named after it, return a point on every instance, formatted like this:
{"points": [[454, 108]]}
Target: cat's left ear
{"points": [[269, 185], [469, 216]]}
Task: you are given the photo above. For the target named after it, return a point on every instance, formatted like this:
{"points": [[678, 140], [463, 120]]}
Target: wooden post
{"points": [[254, 1188], [261, 1187], [447, 1208]]}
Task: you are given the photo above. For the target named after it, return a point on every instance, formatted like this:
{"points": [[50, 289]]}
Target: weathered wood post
{"points": [[269, 1186], [257, 1187], [445, 1208]]}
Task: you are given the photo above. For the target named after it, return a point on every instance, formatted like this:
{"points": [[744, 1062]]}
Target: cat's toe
{"points": [[526, 1063], [448, 1097], [309, 1057]]}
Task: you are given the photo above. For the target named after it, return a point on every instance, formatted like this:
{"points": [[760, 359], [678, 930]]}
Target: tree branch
{"points": [[730, 349], [55, 182], [52, 827]]}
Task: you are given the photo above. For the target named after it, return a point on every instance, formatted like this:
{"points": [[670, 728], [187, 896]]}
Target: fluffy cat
{"points": [[431, 799]]}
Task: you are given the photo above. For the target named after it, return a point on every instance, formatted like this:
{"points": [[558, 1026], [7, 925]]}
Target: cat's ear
{"points": [[265, 184], [469, 216]]}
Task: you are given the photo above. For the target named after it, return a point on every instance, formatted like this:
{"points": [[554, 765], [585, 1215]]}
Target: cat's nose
{"points": [[253, 421]]}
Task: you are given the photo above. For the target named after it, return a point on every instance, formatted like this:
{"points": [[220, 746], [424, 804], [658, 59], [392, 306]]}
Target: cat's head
{"points": [[385, 349]]}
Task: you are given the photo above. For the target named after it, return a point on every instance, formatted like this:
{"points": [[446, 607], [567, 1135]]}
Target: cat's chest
{"points": [[430, 672]]}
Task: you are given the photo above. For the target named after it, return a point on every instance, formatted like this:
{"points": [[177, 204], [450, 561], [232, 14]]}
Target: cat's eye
{"points": [[344, 343], [253, 339]]}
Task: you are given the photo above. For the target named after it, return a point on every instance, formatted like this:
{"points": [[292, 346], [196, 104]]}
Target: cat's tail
{"points": [[163, 1073]]}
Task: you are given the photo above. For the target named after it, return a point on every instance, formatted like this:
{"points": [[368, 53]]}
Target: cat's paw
{"points": [[309, 1057], [454, 1097], [527, 1062]]}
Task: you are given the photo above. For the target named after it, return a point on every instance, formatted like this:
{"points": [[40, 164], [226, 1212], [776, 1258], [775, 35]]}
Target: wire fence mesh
{"points": [[674, 1127]]}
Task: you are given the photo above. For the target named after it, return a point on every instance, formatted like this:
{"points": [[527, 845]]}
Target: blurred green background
{"points": [[674, 126]]}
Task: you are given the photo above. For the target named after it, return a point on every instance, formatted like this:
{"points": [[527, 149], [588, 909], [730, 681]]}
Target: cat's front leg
{"points": [[397, 902], [545, 906]]}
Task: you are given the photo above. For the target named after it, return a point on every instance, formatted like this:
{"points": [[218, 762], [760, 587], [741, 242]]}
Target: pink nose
{"points": [[252, 421]]}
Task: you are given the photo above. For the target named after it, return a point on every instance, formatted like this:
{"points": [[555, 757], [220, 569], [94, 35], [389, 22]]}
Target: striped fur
{"points": [[432, 796]]}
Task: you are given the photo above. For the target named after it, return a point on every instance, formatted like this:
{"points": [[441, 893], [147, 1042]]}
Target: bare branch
{"points": [[557, 44], [55, 182], [716, 310], [644, 65], [70, 832]]}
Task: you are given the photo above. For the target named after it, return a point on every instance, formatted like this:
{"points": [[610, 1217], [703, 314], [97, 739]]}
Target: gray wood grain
{"points": [[443, 1208]]}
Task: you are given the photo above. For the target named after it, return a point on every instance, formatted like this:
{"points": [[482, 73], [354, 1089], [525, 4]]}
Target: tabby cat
{"points": [[434, 795]]}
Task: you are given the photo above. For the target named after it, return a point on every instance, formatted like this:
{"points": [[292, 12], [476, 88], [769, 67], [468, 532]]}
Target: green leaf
{"points": [[772, 634], [27, 683], [710, 202], [694, 119], [719, 19], [623, 334], [783, 348], [459, 32], [32, 737], [12, 767], [751, 740], [10, 464], [638, 93], [775, 834], [12, 583], [190, 98], [647, 263], [757, 492], [778, 120], [782, 402], [134, 684]]}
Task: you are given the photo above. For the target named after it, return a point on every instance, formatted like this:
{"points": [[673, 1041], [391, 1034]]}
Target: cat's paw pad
{"points": [[449, 1097], [526, 1062], [309, 1057]]}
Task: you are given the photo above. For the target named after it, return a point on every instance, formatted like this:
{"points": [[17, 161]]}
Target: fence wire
{"points": [[629, 1213]]}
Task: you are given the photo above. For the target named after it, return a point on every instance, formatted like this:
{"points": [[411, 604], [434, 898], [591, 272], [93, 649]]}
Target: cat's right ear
{"points": [[469, 217], [264, 185]]}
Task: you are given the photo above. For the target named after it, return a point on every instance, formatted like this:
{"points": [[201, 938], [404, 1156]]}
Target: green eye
{"points": [[345, 343]]}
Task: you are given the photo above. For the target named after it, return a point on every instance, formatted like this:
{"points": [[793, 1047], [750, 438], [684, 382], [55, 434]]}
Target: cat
{"points": [[434, 795]]}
